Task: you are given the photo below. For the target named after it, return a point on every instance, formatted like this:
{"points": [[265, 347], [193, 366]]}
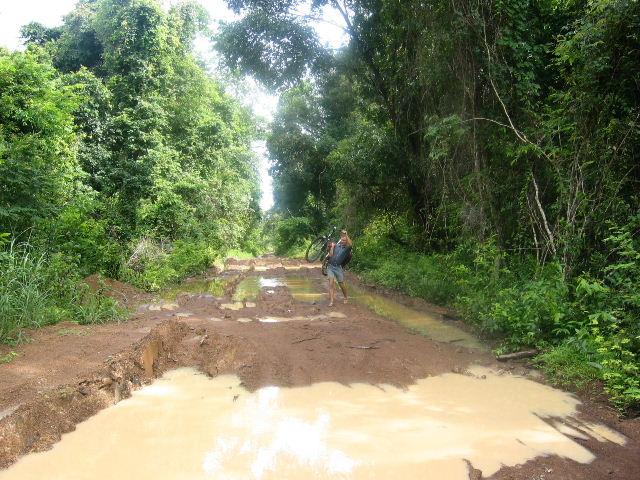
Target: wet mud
{"points": [[377, 389]]}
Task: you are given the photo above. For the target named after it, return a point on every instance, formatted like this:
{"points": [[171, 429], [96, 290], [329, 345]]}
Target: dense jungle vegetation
{"points": [[484, 153], [119, 155]]}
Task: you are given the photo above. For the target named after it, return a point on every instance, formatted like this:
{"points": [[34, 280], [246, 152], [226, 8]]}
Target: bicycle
{"points": [[319, 247]]}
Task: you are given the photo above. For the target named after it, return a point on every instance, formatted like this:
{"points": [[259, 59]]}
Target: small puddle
{"points": [[320, 316], [303, 289], [429, 325], [186, 426], [249, 288], [159, 307], [212, 286], [232, 306]]}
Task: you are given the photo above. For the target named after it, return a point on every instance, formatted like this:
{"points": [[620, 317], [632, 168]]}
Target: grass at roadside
{"points": [[38, 290], [568, 366], [9, 357]]}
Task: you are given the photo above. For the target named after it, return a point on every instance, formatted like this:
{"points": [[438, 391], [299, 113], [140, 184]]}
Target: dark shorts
{"points": [[335, 271]]}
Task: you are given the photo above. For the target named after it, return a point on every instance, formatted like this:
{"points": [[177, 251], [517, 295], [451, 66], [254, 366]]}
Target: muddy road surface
{"points": [[248, 374]]}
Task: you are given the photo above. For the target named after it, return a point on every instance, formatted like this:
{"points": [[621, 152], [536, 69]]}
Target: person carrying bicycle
{"points": [[337, 256]]}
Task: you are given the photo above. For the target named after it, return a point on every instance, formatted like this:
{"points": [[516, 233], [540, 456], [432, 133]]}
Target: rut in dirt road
{"points": [[304, 391]]}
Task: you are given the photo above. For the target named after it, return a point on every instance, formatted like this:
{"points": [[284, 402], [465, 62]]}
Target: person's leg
{"points": [[332, 288], [343, 287]]}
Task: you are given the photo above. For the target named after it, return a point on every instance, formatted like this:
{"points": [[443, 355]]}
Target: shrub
{"points": [[610, 309], [291, 234], [526, 313], [27, 300], [79, 234], [589, 328], [157, 266], [570, 366]]}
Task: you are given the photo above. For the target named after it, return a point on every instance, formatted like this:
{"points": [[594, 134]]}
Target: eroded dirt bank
{"points": [[279, 336]]}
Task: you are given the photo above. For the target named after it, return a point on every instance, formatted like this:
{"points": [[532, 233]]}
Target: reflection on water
{"points": [[302, 288], [213, 286], [249, 288], [320, 316], [312, 290], [186, 426], [429, 325], [305, 289]]}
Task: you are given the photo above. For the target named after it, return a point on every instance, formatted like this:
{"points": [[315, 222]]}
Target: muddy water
{"points": [[303, 289], [310, 290], [247, 289], [429, 325], [186, 426], [213, 286], [306, 289]]}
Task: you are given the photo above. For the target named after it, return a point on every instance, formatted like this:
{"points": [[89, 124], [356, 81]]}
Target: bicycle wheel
{"points": [[315, 250]]}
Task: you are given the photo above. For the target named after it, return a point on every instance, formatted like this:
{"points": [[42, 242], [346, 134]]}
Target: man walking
{"points": [[337, 256]]}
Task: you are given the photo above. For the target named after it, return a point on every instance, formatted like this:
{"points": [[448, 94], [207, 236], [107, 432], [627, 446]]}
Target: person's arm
{"points": [[349, 242], [330, 254]]}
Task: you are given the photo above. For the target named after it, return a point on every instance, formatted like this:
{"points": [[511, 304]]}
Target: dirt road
{"points": [[267, 322]]}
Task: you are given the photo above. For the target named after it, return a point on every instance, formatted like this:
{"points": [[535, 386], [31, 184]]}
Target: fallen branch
{"points": [[517, 355], [363, 347]]}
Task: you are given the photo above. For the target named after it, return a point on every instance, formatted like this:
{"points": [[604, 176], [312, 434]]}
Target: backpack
{"points": [[348, 258]]}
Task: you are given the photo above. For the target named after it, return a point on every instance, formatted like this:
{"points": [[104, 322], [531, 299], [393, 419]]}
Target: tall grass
{"points": [[37, 290], [27, 300]]}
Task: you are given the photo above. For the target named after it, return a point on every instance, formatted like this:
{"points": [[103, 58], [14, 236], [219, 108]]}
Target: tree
{"points": [[37, 158]]}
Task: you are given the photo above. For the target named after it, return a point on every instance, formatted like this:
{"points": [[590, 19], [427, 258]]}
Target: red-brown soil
{"points": [[67, 372]]}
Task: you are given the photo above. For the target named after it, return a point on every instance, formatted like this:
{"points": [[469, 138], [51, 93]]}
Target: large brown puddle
{"points": [[186, 426]]}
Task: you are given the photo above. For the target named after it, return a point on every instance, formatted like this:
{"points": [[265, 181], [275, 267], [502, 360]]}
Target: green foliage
{"points": [[80, 234], [113, 135], [37, 165], [383, 260], [485, 151], [27, 293], [38, 34], [529, 311], [95, 308], [587, 328], [240, 254], [569, 366], [159, 268], [303, 178], [292, 236], [274, 48], [609, 308], [9, 357]]}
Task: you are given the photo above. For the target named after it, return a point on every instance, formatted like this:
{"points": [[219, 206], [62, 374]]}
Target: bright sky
{"points": [[15, 13]]}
